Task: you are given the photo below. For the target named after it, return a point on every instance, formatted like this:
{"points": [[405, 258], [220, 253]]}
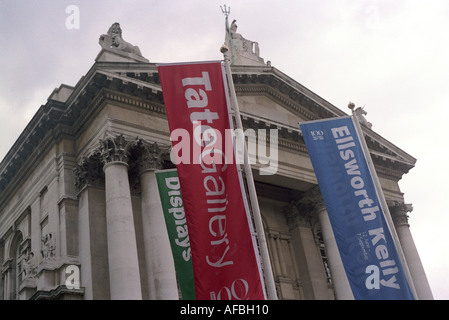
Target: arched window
{"points": [[15, 272]]}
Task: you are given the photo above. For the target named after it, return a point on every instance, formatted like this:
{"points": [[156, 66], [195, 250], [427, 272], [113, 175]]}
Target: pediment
{"points": [[267, 95], [267, 99], [386, 153], [264, 107]]}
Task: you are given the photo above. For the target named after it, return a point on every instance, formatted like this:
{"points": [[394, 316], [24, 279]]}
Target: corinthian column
{"points": [[313, 276], [159, 260], [122, 247], [340, 280], [400, 218]]}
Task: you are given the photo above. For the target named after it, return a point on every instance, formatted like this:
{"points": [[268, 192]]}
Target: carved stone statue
{"points": [[48, 246], [244, 52], [241, 44], [29, 265], [113, 39], [360, 114]]}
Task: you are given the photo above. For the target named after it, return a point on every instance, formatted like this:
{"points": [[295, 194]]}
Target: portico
{"points": [[78, 188]]}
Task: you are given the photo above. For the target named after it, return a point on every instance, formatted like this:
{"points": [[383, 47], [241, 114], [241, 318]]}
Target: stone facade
{"points": [[78, 197]]}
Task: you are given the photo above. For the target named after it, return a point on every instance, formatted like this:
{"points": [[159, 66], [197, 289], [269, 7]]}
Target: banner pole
{"points": [[383, 203], [266, 263]]}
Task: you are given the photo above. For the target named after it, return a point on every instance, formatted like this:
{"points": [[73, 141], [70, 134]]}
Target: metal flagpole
{"points": [[383, 203], [268, 274], [226, 12]]}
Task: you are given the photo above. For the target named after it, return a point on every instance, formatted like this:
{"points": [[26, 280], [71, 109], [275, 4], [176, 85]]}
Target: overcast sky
{"points": [[389, 56]]}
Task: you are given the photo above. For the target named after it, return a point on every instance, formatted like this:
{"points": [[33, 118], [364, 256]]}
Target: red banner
{"points": [[225, 264]]}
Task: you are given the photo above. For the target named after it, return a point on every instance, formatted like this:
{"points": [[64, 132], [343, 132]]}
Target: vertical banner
{"points": [[224, 258], [366, 246], [175, 220]]}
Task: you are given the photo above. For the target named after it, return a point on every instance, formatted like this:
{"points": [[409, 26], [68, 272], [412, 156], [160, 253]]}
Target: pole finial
{"points": [[224, 49], [351, 106]]}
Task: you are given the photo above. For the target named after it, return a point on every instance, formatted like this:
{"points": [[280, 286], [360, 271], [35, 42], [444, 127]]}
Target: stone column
{"points": [[278, 244], [92, 231], [307, 256], [400, 219], [341, 284], [274, 255], [340, 280], [122, 247], [7, 277], [158, 255]]}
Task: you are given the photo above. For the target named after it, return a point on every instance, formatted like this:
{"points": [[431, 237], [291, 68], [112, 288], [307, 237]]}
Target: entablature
{"points": [[137, 84]]}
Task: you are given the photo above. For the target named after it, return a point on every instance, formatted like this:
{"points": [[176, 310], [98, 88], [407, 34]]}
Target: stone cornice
{"points": [[306, 104], [34, 142], [287, 90], [137, 85], [289, 138], [57, 119]]}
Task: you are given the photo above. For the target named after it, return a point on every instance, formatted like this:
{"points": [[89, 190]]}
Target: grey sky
{"points": [[391, 56]]}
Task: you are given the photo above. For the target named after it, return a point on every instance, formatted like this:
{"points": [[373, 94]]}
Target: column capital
{"points": [[114, 148], [151, 155], [88, 171], [297, 215], [399, 211], [302, 211], [313, 200]]}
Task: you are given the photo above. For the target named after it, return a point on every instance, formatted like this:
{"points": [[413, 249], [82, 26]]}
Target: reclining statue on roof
{"points": [[114, 40]]}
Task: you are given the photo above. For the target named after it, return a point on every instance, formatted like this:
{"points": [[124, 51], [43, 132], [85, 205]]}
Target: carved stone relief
{"points": [[48, 246], [29, 264]]}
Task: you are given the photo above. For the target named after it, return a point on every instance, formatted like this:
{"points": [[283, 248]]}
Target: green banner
{"points": [[175, 220]]}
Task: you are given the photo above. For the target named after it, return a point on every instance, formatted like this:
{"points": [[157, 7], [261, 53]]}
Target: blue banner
{"points": [[367, 249]]}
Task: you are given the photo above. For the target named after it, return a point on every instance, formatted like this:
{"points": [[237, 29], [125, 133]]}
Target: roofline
{"points": [[126, 72]]}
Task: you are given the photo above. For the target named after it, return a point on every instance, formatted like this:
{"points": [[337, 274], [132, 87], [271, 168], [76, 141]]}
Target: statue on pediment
{"points": [[241, 44], [243, 51], [114, 40], [360, 113]]}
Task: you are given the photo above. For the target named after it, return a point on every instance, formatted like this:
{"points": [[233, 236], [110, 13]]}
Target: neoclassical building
{"points": [[80, 215]]}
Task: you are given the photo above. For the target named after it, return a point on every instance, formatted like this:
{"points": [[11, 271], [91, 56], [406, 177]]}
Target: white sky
{"points": [[390, 56]]}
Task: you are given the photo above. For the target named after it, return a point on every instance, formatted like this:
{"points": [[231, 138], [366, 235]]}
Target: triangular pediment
{"points": [[264, 107], [267, 98], [385, 152], [266, 94]]}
